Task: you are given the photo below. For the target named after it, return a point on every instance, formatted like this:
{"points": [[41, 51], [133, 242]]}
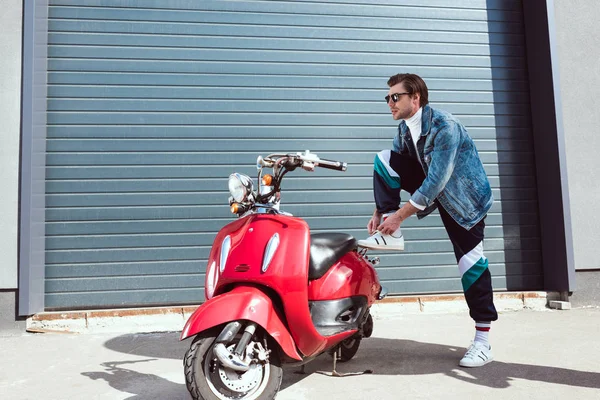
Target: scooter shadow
{"points": [[122, 376], [384, 357], [407, 357]]}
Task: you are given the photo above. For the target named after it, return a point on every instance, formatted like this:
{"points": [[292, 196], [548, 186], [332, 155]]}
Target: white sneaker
{"points": [[379, 241], [477, 355]]}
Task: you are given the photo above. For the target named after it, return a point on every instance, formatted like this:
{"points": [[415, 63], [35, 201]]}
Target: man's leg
{"points": [[477, 286], [392, 172]]}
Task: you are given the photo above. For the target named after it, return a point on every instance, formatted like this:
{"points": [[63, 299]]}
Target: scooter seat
{"points": [[326, 249]]}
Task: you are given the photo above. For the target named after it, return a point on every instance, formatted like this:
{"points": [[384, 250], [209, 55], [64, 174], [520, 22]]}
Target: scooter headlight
{"points": [[240, 186]]}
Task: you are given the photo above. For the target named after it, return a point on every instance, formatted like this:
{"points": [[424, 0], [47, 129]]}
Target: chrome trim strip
{"points": [[225, 247], [270, 251]]}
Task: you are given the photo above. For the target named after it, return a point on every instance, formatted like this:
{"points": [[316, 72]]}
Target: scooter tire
{"points": [[196, 380], [348, 348]]}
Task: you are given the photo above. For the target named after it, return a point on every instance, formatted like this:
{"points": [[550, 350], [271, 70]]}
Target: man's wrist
{"points": [[399, 215]]}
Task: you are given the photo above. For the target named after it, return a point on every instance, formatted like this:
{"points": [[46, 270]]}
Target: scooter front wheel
{"points": [[208, 379]]}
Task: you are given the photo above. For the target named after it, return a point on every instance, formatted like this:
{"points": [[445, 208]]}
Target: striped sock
{"points": [[482, 332]]}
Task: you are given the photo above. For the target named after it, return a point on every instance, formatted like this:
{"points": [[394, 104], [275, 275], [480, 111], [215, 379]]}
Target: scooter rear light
{"points": [[225, 247], [270, 251]]}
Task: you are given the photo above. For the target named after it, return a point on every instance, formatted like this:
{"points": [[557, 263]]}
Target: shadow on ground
{"points": [[383, 356], [142, 386]]}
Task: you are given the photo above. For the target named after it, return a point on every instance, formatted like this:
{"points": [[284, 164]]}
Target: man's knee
{"points": [[383, 156]]}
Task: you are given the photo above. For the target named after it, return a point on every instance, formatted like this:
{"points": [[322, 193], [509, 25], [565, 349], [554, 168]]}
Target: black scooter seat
{"points": [[326, 249]]}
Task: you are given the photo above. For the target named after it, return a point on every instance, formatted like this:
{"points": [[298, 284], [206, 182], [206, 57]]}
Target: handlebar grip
{"points": [[330, 164]]}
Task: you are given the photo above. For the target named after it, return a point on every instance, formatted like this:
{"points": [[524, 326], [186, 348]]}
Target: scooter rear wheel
{"points": [[348, 348], [207, 379]]}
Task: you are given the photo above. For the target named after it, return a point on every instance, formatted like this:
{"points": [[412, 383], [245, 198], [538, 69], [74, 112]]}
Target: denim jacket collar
{"points": [[425, 123], [426, 120]]}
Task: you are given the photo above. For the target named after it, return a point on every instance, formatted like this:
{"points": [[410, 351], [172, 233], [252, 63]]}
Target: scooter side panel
{"points": [[350, 276], [242, 303], [330, 341]]}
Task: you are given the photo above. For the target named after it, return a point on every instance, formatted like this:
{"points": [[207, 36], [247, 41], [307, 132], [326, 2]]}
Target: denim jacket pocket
{"points": [[466, 209], [474, 188]]}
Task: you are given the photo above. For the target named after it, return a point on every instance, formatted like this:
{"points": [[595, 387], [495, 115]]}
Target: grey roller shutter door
{"points": [[152, 104]]}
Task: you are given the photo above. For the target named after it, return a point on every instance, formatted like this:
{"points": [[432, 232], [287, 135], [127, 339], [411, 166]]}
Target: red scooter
{"points": [[276, 294]]}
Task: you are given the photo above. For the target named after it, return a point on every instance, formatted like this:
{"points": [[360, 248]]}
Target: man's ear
{"points": [[417, 97]]}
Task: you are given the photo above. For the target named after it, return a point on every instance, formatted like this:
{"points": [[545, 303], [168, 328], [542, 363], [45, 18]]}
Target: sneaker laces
{"points": [[473, 350], [384, 234]]}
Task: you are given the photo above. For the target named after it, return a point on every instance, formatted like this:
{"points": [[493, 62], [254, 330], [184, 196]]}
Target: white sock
{"points": [[482, 333], [397, 233]]}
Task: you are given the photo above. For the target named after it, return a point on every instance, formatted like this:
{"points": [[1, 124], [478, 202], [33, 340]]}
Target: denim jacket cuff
{"points": [[420, 199], [419, 206]]}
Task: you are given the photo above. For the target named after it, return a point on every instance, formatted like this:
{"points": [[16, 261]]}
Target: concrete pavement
{"points": [[539, 355]]}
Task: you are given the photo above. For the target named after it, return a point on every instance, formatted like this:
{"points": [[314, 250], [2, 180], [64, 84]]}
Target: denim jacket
{"points": [[454, 172]]}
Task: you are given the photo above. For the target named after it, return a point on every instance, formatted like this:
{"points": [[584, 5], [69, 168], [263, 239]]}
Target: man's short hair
{"points": [[413, 84]]}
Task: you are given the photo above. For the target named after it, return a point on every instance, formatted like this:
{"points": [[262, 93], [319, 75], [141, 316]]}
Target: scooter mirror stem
{"points": [[262, 163]]}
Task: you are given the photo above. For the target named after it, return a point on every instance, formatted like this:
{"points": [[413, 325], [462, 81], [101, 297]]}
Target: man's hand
{"points": [[374, 222], [390, 225]]}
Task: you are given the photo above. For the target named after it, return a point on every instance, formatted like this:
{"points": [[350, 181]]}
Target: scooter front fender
{"points": [[242, 303]]}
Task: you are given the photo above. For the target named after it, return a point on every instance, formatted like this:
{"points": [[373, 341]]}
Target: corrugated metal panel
{"points": [[153, 103]]}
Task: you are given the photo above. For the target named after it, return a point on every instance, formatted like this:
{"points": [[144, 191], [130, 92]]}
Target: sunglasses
{"points": [[395, 97]]}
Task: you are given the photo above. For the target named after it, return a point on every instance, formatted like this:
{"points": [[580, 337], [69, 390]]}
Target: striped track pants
{"points": [[393, 172]]}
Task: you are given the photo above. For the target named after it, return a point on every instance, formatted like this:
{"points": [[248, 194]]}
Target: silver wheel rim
{"points": [[247, 386]]}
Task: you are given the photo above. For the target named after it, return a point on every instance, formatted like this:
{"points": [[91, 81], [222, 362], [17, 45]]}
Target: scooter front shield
{"points": [[242, 303]]}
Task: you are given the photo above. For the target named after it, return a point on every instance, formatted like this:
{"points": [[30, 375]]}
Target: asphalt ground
{"points": [[538, 355]]}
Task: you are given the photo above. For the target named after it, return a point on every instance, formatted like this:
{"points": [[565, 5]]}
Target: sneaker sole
{"points": [[475, 366], [380, 247]]}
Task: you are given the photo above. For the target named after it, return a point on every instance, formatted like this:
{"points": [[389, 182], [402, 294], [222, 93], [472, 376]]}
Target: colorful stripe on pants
{"points": [[472, 265]]}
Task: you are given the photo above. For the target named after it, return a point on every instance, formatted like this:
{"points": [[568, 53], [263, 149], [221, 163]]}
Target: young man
{"points": [[435, 160]]}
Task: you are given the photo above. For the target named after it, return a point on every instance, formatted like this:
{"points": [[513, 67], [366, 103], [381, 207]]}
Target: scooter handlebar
{"points": [[315, 160], [306, 159], [330, 164]]}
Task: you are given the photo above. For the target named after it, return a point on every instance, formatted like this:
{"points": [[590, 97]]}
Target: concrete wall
{"points": [[10, 121], [588, 289], [10, 115], [577, 29], [10, 323]]}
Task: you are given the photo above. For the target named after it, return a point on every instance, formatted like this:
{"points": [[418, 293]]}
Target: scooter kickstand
{"points": [[341, 375], [301, 372]]}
